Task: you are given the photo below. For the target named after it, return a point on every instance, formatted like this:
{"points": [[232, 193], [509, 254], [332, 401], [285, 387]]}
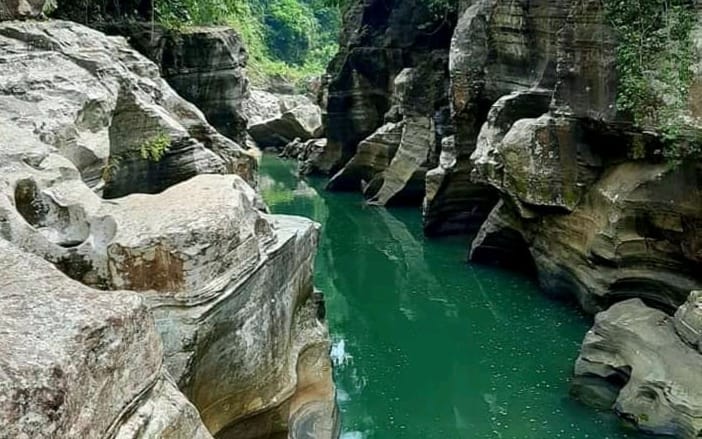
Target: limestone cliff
{"points": [[388, 85], [532, 87], [101, 167]]}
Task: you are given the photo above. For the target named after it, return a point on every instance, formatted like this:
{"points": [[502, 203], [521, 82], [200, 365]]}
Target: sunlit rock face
{"points": [[635, 362], [230, 288], [276, 120], [205, 65], [77, 362]]}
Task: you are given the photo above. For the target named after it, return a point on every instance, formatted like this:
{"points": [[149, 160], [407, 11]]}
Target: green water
{"points": [[426, 346]]}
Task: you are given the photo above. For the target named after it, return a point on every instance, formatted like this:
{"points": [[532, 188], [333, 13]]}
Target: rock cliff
{"points": [[100, 174], [534, 156], [533, 124], [387, 101]]}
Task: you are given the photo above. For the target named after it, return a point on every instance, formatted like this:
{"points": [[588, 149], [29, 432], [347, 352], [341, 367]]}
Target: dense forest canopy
{"points": [[289, 38]]}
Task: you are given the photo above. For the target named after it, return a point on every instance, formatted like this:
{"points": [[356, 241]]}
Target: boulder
{"points": [[372, 157], [306, 153], [77, 362], [113, 113], [294, 117], [688, 320], [21, 9], [229, 287], [633, 362]]}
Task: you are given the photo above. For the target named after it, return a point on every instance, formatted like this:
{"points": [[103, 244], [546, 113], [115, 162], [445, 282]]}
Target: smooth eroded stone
{"points": [[634, 362], [75, 362]]}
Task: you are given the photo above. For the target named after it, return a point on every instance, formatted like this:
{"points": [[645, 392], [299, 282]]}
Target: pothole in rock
{"points": [[65, 226]]}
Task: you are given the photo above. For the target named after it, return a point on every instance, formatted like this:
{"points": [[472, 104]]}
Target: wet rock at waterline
{"points": [[307, 154], [595, 224], [392, 64], [229, 287], [276, 120], [634, 362]]}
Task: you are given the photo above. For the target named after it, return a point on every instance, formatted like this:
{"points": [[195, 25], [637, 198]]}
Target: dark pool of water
{"points": [[426, 346]]}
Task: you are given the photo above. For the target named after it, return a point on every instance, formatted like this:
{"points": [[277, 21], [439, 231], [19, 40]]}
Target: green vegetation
{"points": [[292, 39], [654, 63], [152, 150]]}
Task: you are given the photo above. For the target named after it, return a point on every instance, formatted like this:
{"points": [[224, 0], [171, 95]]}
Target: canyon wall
{"points": [[534, 156], [537, 162], [124, 215]]}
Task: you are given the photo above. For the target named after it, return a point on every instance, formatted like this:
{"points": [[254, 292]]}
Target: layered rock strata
{"points": [[596, 223], [387, 101], [205, 65], [230, 288], [634, 361], [276, 120]]}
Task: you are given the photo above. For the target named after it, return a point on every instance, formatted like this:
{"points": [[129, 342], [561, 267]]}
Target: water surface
{"points": [[426, 346]]}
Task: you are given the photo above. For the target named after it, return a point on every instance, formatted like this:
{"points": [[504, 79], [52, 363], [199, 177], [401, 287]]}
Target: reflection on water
{"points": [[427, 347]]}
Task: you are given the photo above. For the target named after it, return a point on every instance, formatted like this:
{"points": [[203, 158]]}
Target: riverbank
{"points": [[425, 347]]}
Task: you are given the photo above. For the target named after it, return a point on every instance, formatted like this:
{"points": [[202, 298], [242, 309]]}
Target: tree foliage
{"points": [[292, 38], [654, 63]]}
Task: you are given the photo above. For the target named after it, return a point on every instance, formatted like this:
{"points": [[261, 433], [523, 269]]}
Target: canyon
{"points": [[150, 292]]}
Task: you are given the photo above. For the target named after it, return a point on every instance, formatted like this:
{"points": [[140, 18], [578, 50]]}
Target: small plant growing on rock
{"points": [[154, 149]]}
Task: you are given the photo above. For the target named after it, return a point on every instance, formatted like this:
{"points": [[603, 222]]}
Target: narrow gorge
{"points": [[167, 276]]}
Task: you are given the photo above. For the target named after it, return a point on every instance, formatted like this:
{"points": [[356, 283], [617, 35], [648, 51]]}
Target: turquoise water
{"points": [[426, 346]]}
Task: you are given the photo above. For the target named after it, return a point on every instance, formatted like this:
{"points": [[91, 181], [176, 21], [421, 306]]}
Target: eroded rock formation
{"points": [[635, 362], [276, 120], [77, 362], [82, 117], [387, 100], [597, 223], [205, 65]]}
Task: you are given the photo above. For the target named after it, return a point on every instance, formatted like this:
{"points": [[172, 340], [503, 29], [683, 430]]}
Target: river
{"points": [[426, 346]]}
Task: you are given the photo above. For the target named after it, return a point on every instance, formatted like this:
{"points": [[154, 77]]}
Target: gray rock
{"points": [[688, 320], [230, 288], [77, 362], [113, 105], [294, 117], [372, 157], [632, 361], [306, 153], [391, 64], [21, 9]]}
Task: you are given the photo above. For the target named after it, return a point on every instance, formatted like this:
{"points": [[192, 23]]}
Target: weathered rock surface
{"points": [[78, 362], [634, 362], [390, 164], [276, 120], [306, 153], [596, 223], [107, 104], [229, 287], [205, 65], [392, 65], [688, 320], [21, 9]]}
